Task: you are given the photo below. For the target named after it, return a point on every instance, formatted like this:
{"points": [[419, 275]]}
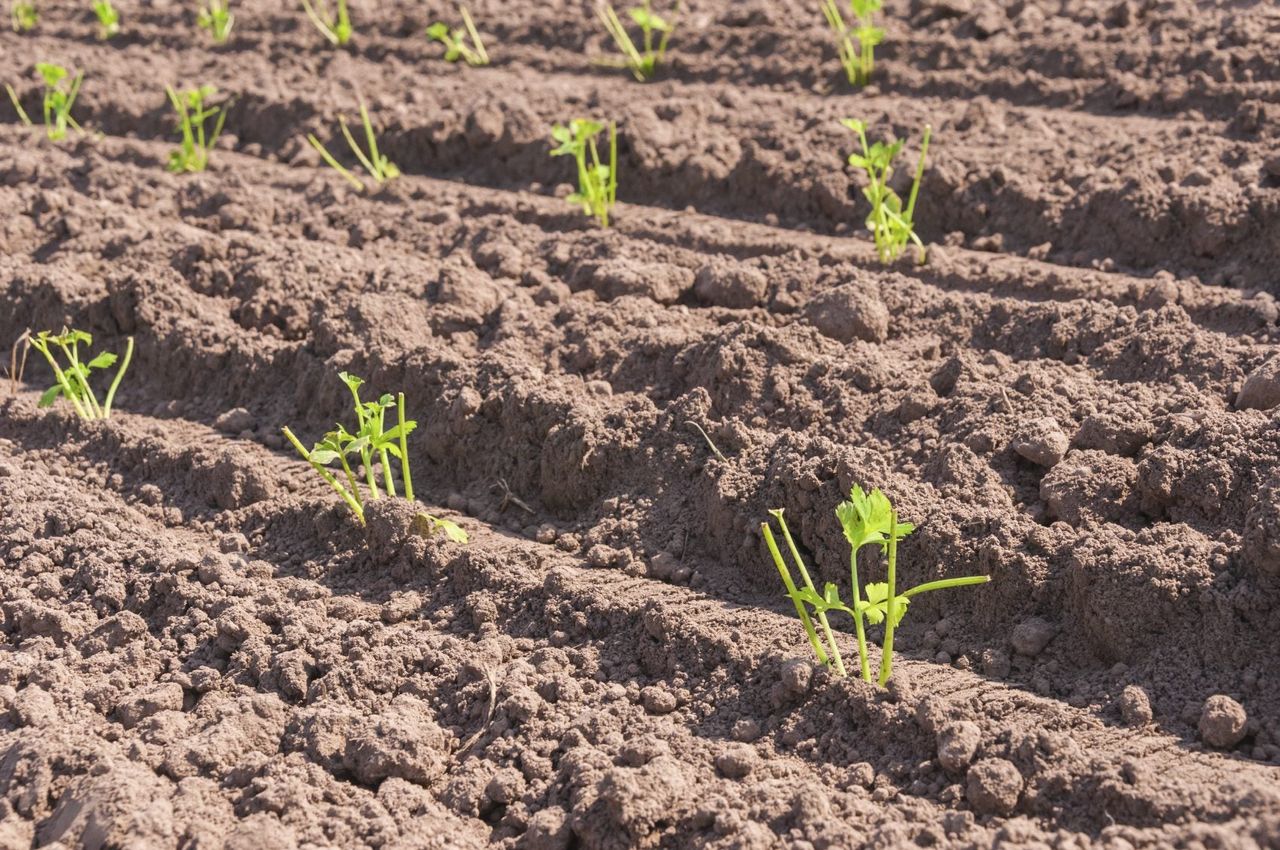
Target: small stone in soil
{"points": [[1222, 722]]}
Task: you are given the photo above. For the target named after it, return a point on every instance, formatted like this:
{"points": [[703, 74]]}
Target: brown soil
{"points": [[1077, 395]]}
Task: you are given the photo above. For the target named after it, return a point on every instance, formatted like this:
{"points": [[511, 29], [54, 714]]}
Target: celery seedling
{"points": [[597, 182], [216, 17], [336, 28], [890, 224], [865, 518], [192, 115], [372, 442], [379, 167], [73, 381], [57, 100], [455, 41], [23, 16], [108, 19], [642, 63], [856, 42]]}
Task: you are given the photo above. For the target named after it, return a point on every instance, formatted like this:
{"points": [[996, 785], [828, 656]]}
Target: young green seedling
{"points": [[108, 19], [379, 167], [216, 17], [372, 443], [865, 518], [641, 61], [23, 16], [73, 380], [597, 182], [856, 42], [335, 27], [464, 44], [192, 115], [890, 224], [58, 99]]}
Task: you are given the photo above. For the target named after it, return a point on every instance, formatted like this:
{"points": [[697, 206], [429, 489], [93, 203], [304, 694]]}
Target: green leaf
{"points": [[324, 457], [102, 361], [350, 380], [50, 396], [438, 31]]}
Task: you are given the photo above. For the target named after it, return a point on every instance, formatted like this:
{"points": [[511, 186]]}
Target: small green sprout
{"points": [[192, 115], [855, 43], [216, 17], [73, 381], [455, 41], [23, 16], [890, 224], [58, 99], [866, 518], [597, 182], [643, 64], [108, 19], [372, 442], [379, 167], [428, 526], [336, 28]]}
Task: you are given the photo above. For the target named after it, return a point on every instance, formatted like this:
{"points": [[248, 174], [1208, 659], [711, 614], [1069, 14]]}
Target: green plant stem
{"points": [[793, 592], [808, 582], [891, 602], [326, 475], [481, 54], [384, 457], [858, 623], [63, 381], [71, 353], [943, 584], [22, 113], [351, 477], [404, 450], [334, 164], [115, 383]]}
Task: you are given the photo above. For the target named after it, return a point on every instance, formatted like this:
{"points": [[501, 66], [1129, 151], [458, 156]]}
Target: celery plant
{"points": [[73, 379], [108, 19], [890, 224], [58, 99], [216, 17], [379, 167], [23, 16], [597, 182], [335, 26], [856, 42], [193, 112], [464, 44], [642, 61]]}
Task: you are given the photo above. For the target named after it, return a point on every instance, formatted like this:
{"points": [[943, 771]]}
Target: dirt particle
{"points": [[745, 729], [657, 700], [726, 284], [1135, 706], [548, 830], [601, 555], [234, 421], [849, 312], [958, 744], [506, 786], [1222, 722], [402, 741], [993, 786], [1031, 636], [1261, 389], [1041, 441], [737, 761], [144, 702], [796, 675], [34, 706]]}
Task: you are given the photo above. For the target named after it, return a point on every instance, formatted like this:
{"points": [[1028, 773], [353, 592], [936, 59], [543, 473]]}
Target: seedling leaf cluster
{"points": [[867, 519], [597, 180], [464, 44], [193, 113], [72, 379], [655, 31], [380, 168], [59, 96], [891, 224], [23, 16]]}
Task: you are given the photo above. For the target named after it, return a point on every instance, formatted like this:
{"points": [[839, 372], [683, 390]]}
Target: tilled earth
{"points": [[1076, 395]]}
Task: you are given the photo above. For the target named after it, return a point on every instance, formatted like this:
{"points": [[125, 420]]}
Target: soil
{"points": [[1076, 395]]}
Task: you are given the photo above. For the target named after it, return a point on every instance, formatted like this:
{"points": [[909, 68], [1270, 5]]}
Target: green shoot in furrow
{"points": [[193, 113], [379, 167], [597, 181], [59, 96], [866, 518], [216, 17], [464, 44], [891, 225], [73, 379], [23, 16], [335, 26], [108, 19], [642, 61], [856, 42]]}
